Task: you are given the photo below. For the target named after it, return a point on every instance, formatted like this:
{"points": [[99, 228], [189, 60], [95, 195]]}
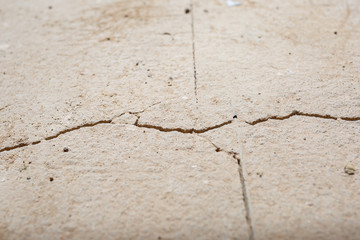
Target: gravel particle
{"points": [[349, 169]]}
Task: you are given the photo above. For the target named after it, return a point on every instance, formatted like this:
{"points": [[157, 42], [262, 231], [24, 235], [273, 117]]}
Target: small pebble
{"points": [[349, 169], [66, 149]]}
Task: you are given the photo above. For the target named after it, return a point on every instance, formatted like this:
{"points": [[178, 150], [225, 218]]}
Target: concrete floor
{"points": [[179, 119]]}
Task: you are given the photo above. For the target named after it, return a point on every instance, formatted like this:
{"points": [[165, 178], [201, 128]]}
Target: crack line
{"points": [[298, 113], [5, 149], [78, 127], [193, 48], [245, 193], [4, 107], [181, 130], [242, 174]]}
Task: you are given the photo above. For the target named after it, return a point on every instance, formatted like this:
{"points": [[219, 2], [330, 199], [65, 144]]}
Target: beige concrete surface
{"points": [[117, 119]]}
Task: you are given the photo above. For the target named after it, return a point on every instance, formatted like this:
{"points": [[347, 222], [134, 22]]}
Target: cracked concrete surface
{"points": [[181, 119]]}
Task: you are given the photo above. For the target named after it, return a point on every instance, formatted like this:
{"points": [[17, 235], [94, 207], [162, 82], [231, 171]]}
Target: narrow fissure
{"points": [[181, 130], [245, 194], [193, 48], [78, 127], [242, 172], [246, 197], [298, 113]]}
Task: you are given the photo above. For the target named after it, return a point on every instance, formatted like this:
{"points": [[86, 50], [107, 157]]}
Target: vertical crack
{"points": [[242, 172], [193, 48], [246, 197]]}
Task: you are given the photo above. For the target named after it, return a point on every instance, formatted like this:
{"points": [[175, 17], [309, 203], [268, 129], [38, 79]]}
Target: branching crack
{"points": [[109, 121], [181, 130], [72, 129], [298, 113]]}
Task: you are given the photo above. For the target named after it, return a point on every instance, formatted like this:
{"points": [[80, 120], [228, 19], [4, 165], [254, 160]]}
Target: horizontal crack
{"points": [[181, 130], [77, 128], [56, 135], [15, 147], [72, 129], [298, 113], [350, 118]]}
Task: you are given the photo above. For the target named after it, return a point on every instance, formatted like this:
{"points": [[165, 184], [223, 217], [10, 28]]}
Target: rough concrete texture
{"points": [[117, 119]]}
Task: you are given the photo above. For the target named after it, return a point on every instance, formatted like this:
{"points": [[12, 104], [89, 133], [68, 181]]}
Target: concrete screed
{"points": [[117, 119]]}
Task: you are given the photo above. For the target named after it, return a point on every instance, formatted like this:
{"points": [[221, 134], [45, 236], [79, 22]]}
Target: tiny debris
{"points": [[28, 178], [50, 7], [335, 33], [23, 168], [260, 174], [187, 11], [66, 149], [51, 179], [235, 116], [349, 169]]}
